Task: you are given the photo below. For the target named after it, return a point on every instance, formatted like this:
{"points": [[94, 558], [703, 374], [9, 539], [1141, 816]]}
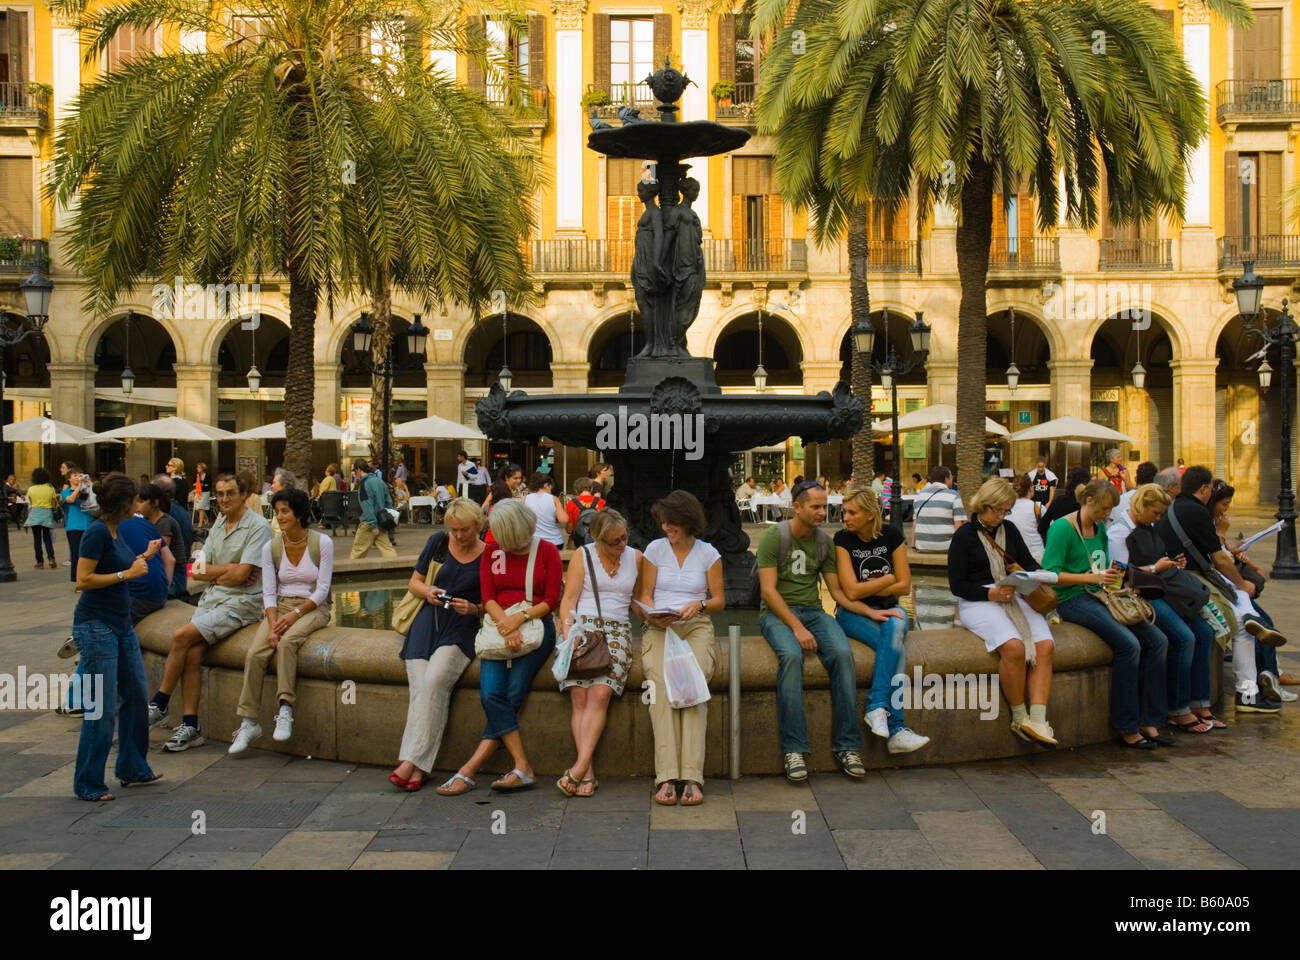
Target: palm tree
{"points": [[967, 97], [864, 466], [321, 149]]}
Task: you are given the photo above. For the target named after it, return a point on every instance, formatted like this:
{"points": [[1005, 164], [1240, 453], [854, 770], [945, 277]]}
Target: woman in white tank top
{"points": [[552, 521], [616, 569]]}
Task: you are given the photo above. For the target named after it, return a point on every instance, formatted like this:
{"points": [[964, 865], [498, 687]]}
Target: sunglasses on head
{"points": [[798, 491]]}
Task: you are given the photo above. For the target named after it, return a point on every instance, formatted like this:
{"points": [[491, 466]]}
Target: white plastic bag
{"points": [[564, 653], [685, 683]]}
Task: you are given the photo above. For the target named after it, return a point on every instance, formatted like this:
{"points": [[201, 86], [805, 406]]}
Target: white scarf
{"points": [[999, 570]]}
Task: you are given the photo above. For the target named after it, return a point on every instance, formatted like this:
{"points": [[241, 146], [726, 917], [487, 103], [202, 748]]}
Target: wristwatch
{"points": [[121, 575]]}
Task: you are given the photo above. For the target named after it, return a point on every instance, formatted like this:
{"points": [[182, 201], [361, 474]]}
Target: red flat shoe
{"points": [[412, 785], [397, 781]]}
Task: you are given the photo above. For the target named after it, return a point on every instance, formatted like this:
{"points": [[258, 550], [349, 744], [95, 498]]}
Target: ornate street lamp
{"points": [[1265, 375], [760, 372], [362, 334], [505, 377], [893, 369], [416, 337], [1013, 372], [128, 375]]}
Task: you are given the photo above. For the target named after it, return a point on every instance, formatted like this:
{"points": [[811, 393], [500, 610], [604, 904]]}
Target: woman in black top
{"points": [[999, 616], [1065, 502], [440, 643]]}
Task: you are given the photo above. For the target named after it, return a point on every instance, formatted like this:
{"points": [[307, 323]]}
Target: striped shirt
{"points": [[938, 509]]}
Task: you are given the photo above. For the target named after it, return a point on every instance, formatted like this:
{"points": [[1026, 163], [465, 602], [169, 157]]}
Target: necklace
{"points": [[617, 562], [302, 539]]}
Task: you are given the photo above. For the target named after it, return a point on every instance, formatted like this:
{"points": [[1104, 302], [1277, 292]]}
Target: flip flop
{"points": [[594, 785], [569, 780], [666, 803], [446, 790], [525, 782], [152, 778], [700, 795], [102, 798], [1192, 727], [1215, 723]]}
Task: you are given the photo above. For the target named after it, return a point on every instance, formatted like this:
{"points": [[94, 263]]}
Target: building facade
{"points": [[1073, 309]]}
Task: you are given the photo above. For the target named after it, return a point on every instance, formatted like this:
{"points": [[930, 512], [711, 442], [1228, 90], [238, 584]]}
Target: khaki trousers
{"points": [[366, 535], [431, 683], [679, 734], [286, 656]]}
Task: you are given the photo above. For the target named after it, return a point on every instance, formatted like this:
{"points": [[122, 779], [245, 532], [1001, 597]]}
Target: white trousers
{"points": [[431, 683]]}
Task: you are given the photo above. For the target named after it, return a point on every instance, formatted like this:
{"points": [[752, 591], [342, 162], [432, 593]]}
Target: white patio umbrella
{"points": [[320, 430], [1071, 428], [436, 428], [47, 430], [935, 415], [166, 428]]}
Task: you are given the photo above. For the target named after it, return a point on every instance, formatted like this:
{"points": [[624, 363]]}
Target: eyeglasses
{"points": [[616, 541], [223, 494]]}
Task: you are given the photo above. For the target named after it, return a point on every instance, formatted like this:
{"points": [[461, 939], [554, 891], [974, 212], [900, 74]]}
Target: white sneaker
{"points": [[283, 725], [905, 741], [157, 717], [184, 737], [1042, 731], [248, 731], [1274, 690], [878, 721]]}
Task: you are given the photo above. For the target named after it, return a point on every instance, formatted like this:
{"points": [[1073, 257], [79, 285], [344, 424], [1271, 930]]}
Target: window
{"points": [[1256, 178], [250, 28], [14, 66], [622, 210], [1257, 49], [757, 215], [129, 43], [631, 58], [17, 196], [745, 53], [515, 49]]}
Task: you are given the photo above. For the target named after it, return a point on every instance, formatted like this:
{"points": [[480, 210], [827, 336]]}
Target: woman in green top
{"points": [[40, 515], [1078, 551]]}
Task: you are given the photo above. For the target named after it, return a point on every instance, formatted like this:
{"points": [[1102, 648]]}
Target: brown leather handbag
{"points": [[591, 652], [1042, 599]]}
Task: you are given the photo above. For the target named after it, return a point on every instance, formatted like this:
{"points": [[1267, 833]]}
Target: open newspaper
{"points": [[1026, 581], [1266, 532]]}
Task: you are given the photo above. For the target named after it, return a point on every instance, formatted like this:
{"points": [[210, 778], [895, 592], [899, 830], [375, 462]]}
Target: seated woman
{"points": [[297, 569], [977, 559], [503, 684], [873, 572], [1078, 552], [401, 496], [1188, 657], [603, 604], [440, 643], [680, 573]]}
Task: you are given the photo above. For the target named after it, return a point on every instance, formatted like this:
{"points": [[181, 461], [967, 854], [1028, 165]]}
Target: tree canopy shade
{"points": [[309, 140], [971, 97]]}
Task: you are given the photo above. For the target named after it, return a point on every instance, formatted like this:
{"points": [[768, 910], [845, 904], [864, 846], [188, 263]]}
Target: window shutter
{"points": [[537, 52], [16, 196], [901, 223], [1232, 224], [727, 47], [739, 228], [774, 231], [999, 216], [16, 21], [1025, 215], [663, 38], [413, 39], [621, 215], [476, 37], [600, 39], [1270, 193]]}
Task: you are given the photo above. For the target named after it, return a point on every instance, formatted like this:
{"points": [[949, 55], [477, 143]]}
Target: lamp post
{"points": [[36, 292], [362, 337], [1249, 289], [893, 368]]}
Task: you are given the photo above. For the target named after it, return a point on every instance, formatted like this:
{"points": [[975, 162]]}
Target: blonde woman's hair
{"points": [[604, 521], [866, 501], [466, 511], [177, 464], [512, 525], [995, 492], [1147, 496], [1101, 490]]}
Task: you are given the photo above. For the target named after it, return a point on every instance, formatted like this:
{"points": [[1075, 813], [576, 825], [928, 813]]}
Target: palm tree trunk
{"points": [[974, 234], [860, 367], [381, 416], [300, 379]]}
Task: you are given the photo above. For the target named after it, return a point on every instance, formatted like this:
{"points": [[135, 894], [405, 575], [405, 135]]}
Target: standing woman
{"points": [[872, 566], [551, 518], [503, 684], [614, 570], [202, 494], [684, 574], [1008, 625], [509, 479], [1077, 550], [109, 650], [1024, 515], [440, 643], [1116, 473], [40, 515], [75, 492]]}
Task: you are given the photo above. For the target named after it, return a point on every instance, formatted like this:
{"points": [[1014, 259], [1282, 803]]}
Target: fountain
{"points": [[671, 426]]}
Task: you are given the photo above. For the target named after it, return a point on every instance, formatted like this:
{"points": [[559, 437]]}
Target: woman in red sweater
{"points": [[503, 684]]}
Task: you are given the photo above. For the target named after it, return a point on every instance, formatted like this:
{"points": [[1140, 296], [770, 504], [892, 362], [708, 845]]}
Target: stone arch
{"points": [[900, 319], [1173, 328], [533, 372], [89, 337], [609, 339], [807, 347], [143, 326], [216, 334], [1028, 309], [783, 350], [27, 363], [466, 331]]}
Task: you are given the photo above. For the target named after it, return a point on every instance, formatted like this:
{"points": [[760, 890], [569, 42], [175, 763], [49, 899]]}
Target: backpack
{"points": [[582, 526], [277, 549], [819, 537]]}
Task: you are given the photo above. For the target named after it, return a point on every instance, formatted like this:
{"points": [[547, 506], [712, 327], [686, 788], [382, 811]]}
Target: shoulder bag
{"points": [[406, 609], [591, 653], [1223, 594], [1042, 599], [490, 645], [1127, 606]]}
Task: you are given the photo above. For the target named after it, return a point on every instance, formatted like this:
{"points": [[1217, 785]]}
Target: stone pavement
{"points": [[1227, 800]]}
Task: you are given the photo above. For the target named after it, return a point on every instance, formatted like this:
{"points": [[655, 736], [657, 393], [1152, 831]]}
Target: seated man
{"points": [[230, 561], [791, 556], [746, 489]]}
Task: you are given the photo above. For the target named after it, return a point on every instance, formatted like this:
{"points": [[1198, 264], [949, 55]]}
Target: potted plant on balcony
{"points": [[723, 91], [595, 98]]}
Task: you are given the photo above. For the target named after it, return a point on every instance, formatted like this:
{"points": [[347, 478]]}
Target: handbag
{"points": [[1251, 575], [488, 642], [1185, 592], [1042, 599], [1126, 605], [1147, 585], [591, 650], [406, 609]]}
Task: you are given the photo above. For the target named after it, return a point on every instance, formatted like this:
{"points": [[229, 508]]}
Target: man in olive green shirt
{"points": [[792, 555]]}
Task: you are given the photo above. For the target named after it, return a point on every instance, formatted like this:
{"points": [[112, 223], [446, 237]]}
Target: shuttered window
{"points": [[884, 224], [476, 40], [16, 196], [622, 210], [757, 214], [1267, 206], [129, 43], [631, 58], [14, 48], [536, 52], [1257, 49], [1013, 218]]}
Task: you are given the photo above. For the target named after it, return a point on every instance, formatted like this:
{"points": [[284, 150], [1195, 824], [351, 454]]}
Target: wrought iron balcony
{"points": [[1268, 100], [784, 255], [636, 95], [742, 107], [1270, 252], [20, 256], [22, 106], [532, 109], [1025, 256], [1137, 254]]}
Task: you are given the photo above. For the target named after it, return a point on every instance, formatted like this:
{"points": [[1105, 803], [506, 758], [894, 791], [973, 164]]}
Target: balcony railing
{"points": [[1025, 253], [1269, 250], [624, 95], [533, 106], [615, 256], [1263, 99], [742, 105], [19, 257], [1136, 254], [19, 103]]}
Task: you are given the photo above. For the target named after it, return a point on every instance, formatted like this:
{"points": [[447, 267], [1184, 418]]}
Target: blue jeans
{"points": [[1139, 694], [503, 684], [886, 638], [1200, 678], [113, 659], [1183, 637], [836, 656], [1265, 656]]}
